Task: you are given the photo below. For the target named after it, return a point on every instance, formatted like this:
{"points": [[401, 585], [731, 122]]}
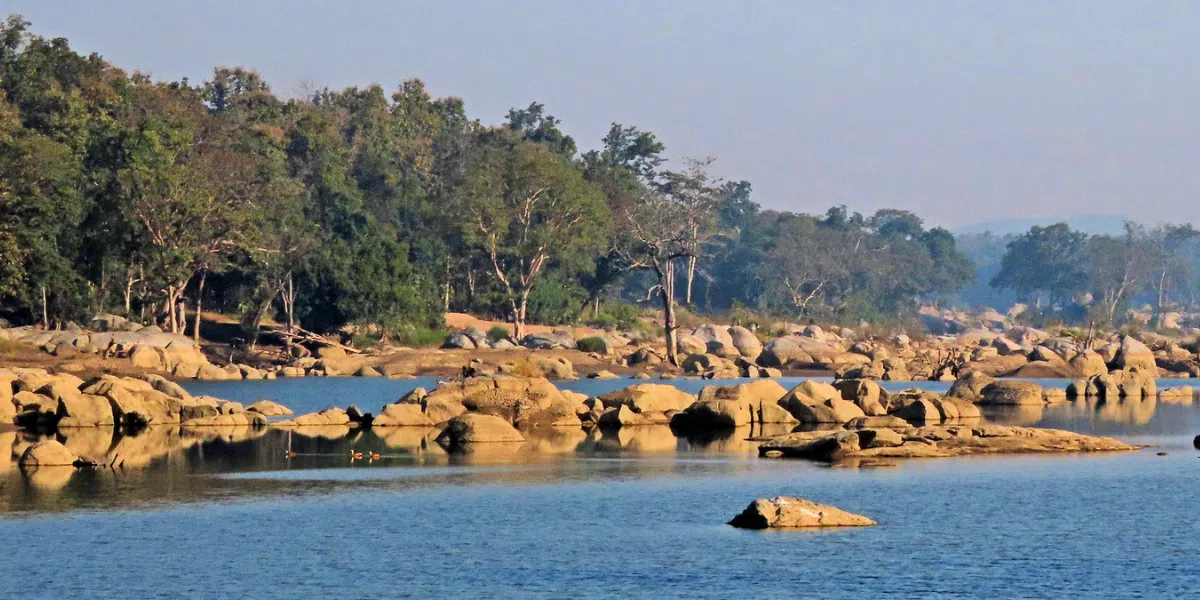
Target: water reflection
{"points": [[181, 464]]}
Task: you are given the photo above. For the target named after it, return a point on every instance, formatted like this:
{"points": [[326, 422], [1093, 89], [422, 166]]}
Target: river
{"points": [[632, 514]]}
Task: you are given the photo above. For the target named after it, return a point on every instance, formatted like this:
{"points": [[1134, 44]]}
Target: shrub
{"points": [[593, 344], [497, 333], [619, 316], [526, 368], [420, 337], [364, 340]]}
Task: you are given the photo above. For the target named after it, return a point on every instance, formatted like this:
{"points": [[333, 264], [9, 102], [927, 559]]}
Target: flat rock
{"points": [[269, 408], [786, 512]]}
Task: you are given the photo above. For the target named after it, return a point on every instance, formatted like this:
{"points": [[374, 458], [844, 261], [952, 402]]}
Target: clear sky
{"points": [[961, 111]]}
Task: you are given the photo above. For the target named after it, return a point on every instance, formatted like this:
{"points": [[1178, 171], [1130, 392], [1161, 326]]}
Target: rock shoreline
{"points": [[853, 419]]}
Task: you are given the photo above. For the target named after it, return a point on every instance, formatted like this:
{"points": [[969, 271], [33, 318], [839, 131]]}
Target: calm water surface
{"points": [[632, 514]]}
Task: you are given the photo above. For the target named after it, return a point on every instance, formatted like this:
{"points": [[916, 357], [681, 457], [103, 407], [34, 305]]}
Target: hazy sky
{"points": [[960, 111]]}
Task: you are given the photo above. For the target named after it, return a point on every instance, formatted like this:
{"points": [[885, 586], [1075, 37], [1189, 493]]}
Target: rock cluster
{"points": [[38, 400]]}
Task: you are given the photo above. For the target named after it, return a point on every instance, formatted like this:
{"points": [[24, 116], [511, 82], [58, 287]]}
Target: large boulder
{"points": [[1012, 393], [167, 386], [717, 340], [47, 454], [809, 410], [268, 408], [461, 340], [785, 512], [919, 411], [148, 357], [84, 410], [649, 398], [799, 351], [828, 448], [472, 428], [1133, 353], [970, 386], [329, 416], [1088, 364], [715, 414], [746, 342], [711, 366], [752, 395], [402, 415], [863, 392], [548, 341], [690, 344]]}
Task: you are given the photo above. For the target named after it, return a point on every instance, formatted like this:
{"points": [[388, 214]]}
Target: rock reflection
{"points": [[639, 438], [1133, 411], [1024, 415], [49, 478]]}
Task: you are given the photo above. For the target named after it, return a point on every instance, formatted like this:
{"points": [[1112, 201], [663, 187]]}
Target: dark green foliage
{"points": [[497, 333], [592, 344]]}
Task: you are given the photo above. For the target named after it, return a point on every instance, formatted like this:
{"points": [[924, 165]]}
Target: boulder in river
{"points": [[475, 428], [1011, 393], [47, 454], [786, 512]]}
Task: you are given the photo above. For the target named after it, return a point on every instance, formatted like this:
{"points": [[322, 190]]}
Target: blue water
{"points": [[612, 516]]}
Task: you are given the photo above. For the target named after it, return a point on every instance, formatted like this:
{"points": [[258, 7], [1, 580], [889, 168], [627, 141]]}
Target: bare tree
{"points": [[657, 236]]}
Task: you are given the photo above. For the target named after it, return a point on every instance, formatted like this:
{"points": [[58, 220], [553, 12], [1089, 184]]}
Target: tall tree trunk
{"points": [[519, 308], [691, 277], [1158, 315], [199, 299], [45, 311], [289, 304], [667, 278]]}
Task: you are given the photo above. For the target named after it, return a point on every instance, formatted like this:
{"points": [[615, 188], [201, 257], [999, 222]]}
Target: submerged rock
{"points": [[786, 512]]}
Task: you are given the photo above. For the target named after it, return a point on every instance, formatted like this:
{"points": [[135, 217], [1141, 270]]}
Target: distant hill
{"points": [[1090, 224]]}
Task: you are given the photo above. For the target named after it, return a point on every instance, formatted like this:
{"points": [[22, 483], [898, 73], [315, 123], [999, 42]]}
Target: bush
{"points": [[593, 344], [364, 340], [420, 337], [619, 316], [497, 333], [526, 368]]}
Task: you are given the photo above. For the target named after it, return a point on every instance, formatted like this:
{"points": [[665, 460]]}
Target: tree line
{"points": [[1081, 278], [159, 199]]}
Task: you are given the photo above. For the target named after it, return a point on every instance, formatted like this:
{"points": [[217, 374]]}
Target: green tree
{"points": [[527, 206], [1044, 260]]}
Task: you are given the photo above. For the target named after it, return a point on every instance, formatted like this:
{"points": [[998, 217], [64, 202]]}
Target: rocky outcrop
{"points": [[1132, 353], [785, 512], [936, 442]]}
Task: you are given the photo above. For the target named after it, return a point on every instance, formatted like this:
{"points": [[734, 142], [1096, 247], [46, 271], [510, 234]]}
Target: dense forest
{"points": [[157, 199], [121, 193]]}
